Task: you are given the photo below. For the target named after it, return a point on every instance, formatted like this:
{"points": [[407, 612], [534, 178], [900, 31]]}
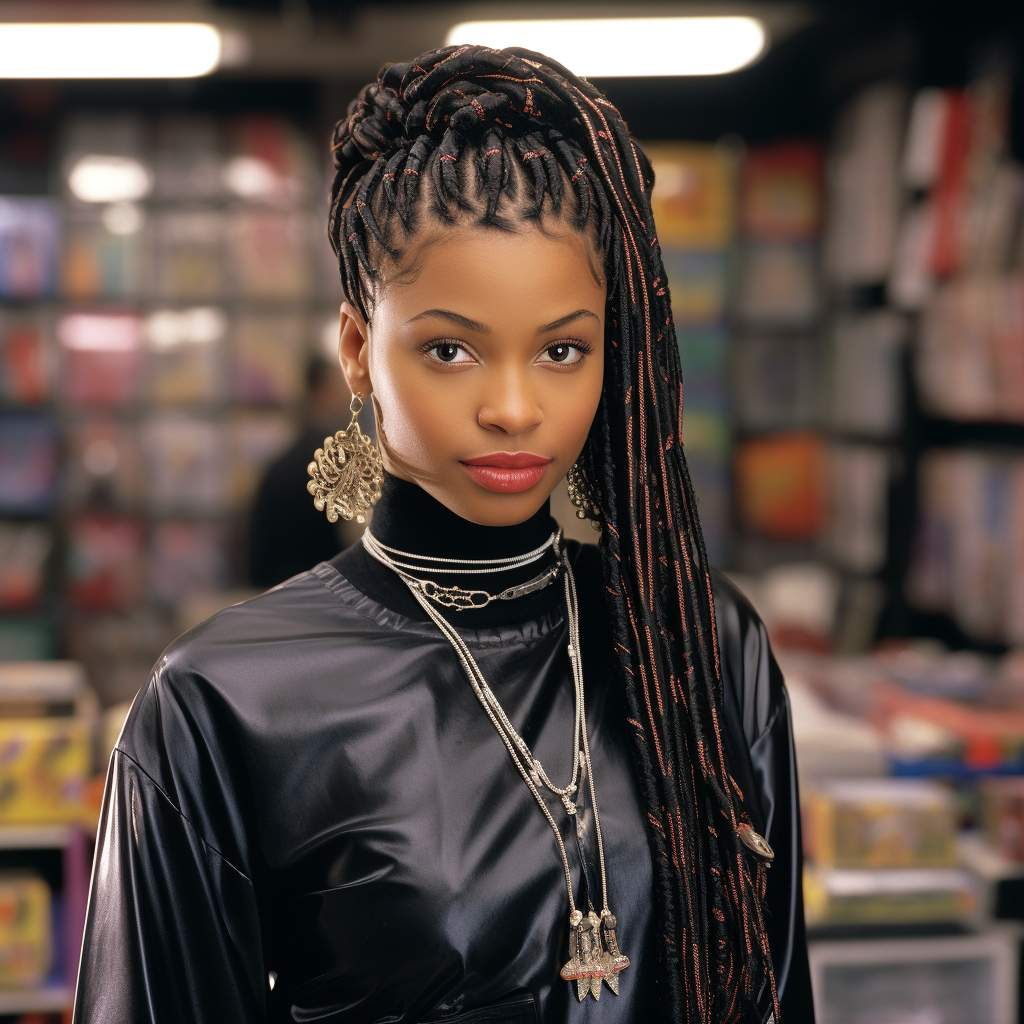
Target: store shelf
{"points": [[40, 1000], [35, 837]]}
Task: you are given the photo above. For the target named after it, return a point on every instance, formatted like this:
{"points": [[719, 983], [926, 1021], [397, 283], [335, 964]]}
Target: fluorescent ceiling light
{"points": [[100, 332], [109, 179], [108, 49], [628, 47]]}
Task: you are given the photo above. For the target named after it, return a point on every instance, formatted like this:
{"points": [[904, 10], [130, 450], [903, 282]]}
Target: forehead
{"points": [[492, 268]]}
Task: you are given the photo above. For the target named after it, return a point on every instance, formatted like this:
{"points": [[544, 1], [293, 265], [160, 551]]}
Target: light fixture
{"points": [[169, 329], [96, 178], [108, 49], [628, 47]]}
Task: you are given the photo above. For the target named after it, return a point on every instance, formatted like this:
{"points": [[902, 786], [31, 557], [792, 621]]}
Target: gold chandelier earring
{"points": [[347, 472], [583, 494]]}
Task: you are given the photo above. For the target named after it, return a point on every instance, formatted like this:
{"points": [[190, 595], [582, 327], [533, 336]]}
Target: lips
{"points": [[507, 472]]}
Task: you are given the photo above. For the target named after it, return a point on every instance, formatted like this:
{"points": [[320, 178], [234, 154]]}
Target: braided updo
{"points": [[503, 135]]}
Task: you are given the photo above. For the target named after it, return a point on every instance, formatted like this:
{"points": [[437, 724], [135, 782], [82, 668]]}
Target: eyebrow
{"points": [[452, 317], [564, 321]]}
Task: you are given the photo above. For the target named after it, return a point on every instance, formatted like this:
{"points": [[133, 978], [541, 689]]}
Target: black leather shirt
{"points": [[308, 790]]}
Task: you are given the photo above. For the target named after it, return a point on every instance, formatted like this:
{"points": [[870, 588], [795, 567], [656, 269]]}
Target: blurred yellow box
{"points": [[26, 932], [693, 197], [44, 766], [880, 823]]}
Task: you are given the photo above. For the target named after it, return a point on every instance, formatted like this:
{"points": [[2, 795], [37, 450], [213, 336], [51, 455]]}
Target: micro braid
{"points": [[503, 136]]}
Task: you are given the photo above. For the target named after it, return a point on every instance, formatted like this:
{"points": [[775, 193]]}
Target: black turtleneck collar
{"points": [[408, 518]]}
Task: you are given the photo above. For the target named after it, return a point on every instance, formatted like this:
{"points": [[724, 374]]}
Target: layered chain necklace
{"points": [[594, 955]]}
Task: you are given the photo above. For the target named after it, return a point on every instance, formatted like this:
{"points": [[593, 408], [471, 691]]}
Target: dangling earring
{"points": [[583, 495], [347, 472]]}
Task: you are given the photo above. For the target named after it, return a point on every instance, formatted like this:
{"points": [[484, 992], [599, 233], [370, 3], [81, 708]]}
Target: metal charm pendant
{"points": [[755, 842], [347, 472], [594, 955]]}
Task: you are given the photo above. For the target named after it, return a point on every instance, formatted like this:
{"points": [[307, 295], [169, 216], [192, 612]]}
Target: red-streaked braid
{"points": [[540, 139]]}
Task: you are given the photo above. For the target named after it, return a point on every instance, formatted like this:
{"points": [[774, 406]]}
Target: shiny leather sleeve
{"points": [[172, 932], [760, 736]]}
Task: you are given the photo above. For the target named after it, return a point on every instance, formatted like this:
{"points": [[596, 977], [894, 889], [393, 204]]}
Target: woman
{"points": [[467, 771]]}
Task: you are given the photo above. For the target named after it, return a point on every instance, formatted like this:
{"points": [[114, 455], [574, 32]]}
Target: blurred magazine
{"points": [[105, 562], [189, 158], [781, 192], [186, 560], [867, 373], [101, 357], [29, 246], [692, 200], [775, 381], [185, 355], [267, 356], [780, 485], [778, 285], [698, 282], [189, 256], [28, 464], [24, 550], [186, 462], [103, 463], [271, 254], [25, 359], [105, 253]]}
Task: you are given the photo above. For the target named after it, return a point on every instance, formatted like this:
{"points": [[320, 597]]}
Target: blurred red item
{"points": [[779, 483], [1002, 815], [781, 194], [105, 569], [102, 357], [948, 197], [24, 366]]}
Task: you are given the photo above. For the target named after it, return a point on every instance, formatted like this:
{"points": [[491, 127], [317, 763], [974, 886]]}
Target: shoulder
{"points": [[751, 677], [243, 672]]}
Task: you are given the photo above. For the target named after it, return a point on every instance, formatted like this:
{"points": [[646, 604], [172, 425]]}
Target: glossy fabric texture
{"points": [[308, 786]]}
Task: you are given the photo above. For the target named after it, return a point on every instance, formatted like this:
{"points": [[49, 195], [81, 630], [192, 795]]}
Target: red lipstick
{"points": [[507, 472]]}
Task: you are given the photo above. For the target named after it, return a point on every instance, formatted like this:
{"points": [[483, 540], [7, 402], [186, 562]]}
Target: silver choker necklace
{"points": [[594, 955]]}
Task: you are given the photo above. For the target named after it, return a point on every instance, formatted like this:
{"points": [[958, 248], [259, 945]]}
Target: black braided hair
{"points": [[499, 130]]}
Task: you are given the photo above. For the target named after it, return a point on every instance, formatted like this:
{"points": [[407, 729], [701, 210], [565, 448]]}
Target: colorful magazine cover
{"points": [[29, 248], [186, 462], [693, 198], [189, 258], [781, 192], [106, 559], [103, 462], [101, 357], [268, 355], [105, 253], [25, 359], [28, 464], [186, 560], [185, 355], [778, 284], [699, 285], [271, 253], [780, 485], [24, 551]]}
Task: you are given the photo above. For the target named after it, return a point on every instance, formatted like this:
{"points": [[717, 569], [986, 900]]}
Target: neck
{"points": [[408, 518]]}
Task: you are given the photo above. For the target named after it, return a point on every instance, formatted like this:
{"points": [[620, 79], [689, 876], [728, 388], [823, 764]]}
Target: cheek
{"points": [[412, 415]]}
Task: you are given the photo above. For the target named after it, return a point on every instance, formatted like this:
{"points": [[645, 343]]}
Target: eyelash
{"points": [[585, 348]]}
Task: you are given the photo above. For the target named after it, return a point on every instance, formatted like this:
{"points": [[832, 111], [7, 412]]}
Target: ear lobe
{"points": [[353, 350]]}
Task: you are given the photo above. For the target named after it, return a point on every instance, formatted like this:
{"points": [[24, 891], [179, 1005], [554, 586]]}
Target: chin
{"points": [[486, 508]]}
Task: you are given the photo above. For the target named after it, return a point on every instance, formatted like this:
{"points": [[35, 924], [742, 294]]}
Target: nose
{"points": [[510, 407]]}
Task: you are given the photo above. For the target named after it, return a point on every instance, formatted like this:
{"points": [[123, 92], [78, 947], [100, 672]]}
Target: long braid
{"points": [[530, 136]]}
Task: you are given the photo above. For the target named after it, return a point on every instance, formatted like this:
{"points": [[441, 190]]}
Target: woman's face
{"points": [[486, 360]]}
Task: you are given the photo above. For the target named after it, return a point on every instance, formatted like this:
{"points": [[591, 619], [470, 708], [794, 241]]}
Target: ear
{"points": [[354, 350]]}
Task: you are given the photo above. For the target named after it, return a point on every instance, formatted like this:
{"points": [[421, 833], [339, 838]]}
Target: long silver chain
{"points": [[529, 767]]}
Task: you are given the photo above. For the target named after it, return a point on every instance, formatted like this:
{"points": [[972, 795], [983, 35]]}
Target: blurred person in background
{"points": [[287, 535], [311, 812]]}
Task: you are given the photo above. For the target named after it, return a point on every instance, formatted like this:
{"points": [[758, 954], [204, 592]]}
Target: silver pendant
{"points": [[591, 960]]}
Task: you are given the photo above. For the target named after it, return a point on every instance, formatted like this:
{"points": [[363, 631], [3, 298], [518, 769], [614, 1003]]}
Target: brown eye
{"points": [[563, 354], [446, 353]]}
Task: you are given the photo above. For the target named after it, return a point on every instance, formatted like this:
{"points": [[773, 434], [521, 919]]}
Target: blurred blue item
{"points": [[28, 464], [951, 768], [704, 356], [699, 285], [29, 247]]}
